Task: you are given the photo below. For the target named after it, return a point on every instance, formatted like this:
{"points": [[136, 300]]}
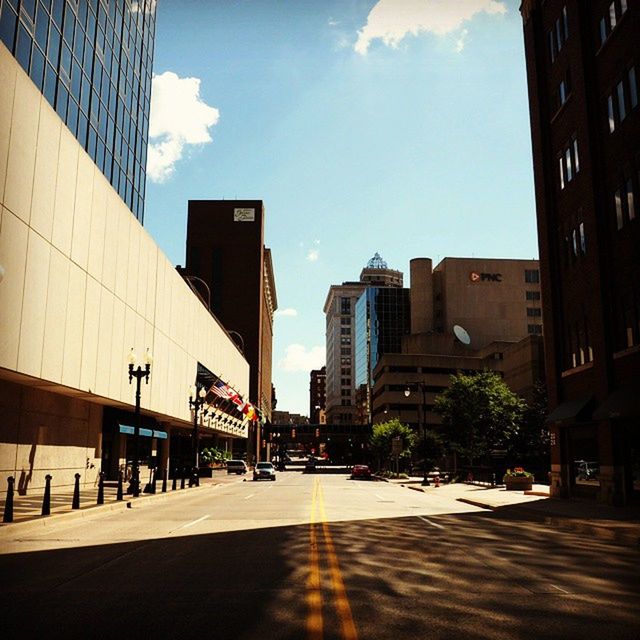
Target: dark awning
{"points": [[621, 403], [578, 410]]}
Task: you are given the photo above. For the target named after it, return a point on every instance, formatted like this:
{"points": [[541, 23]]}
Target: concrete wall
{"points": [[84, 282]]}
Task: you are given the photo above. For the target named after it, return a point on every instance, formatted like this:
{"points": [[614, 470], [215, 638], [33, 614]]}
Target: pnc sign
{"points": [[474, 276]]}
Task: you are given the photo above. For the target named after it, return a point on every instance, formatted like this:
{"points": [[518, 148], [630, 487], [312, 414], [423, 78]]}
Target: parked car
{"points": [[236, 466], [264, 471], [361, 471]]}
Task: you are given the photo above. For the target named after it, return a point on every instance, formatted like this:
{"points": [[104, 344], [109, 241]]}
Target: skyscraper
{"points": [[583, 63], [92, 61], [317, 395], [340, 309]]}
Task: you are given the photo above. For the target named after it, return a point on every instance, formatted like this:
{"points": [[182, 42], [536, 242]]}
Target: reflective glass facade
{"points": [[382, 318], [92, 60]]}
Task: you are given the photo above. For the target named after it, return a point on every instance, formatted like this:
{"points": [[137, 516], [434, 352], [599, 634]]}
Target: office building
{"points": [[226, 251], [317, 394], [83, 283], [583, 67], [92, 62], [381, 321], [339, 309]]}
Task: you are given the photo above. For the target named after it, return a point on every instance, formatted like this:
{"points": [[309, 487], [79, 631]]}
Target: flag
{"points": [[223, 390]]}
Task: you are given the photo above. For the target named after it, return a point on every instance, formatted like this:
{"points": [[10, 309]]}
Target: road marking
{"points": [[558, 588], [314, 593], [190, 524], [377, 496], [340, 594], [433, 524], [249, 496]]}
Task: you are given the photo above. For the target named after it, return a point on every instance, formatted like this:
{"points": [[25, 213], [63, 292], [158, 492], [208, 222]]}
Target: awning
{"points": [[621, 403], [577, 410], [145, 433]]}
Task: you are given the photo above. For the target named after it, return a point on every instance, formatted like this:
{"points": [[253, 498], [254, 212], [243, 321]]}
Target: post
{"points": [[153, 480], [76, 493], [135, 477], [46, 502], [8, 505], [182, 477], [119, 495], [175, 479], [164, 481], [423, 413], [100, 488]]}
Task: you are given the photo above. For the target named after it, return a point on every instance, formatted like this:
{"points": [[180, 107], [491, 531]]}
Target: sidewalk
{"points": [[27, 509], [620, 525]]}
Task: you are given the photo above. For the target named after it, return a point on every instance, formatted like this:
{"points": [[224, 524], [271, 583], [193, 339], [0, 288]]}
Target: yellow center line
{"points": [[314, 593], [341, 600]]}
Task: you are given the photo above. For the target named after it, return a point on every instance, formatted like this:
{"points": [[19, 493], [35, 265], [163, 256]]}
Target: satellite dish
{"points": [[461, 334]]}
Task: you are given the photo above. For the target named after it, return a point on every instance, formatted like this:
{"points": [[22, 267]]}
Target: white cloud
{"points": [[298, 358], [313, 255], [391, 20], [178, 118], [333, 23], [289, 312]]}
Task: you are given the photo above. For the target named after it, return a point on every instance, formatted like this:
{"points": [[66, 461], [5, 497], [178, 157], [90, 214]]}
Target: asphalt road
{"points": [[315, 557]]}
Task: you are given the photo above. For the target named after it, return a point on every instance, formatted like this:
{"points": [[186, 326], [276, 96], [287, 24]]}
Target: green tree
{"points": [[383, 435], [479, 413], [530, 446]]}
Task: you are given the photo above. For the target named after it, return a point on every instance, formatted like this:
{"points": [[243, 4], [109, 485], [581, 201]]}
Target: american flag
{"points": [[222, 390]]}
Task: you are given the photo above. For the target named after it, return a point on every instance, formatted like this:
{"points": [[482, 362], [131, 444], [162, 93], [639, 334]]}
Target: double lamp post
{"points": [[422, 417]]}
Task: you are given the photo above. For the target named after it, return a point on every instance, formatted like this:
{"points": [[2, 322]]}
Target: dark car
{"points": [[361, 471]]}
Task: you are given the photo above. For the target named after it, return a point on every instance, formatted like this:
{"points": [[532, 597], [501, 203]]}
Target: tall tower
{"points": [[340, 311], [583, 67]]}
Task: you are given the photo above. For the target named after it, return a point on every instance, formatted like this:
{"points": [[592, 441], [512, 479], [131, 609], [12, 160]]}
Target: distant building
{"points": [[226, 251], [583, 69], [317, 394], [339, 309], [286, 417]]}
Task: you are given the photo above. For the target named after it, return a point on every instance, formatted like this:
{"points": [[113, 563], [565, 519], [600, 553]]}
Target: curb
{"points": [[9, 529]]}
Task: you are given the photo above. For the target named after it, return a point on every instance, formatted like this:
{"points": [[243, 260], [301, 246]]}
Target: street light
{"points": [[196, 401], [423, 425], [137, 373]]}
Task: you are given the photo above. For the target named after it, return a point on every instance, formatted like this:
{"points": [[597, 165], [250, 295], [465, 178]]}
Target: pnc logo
{"points": [[474, 276]]}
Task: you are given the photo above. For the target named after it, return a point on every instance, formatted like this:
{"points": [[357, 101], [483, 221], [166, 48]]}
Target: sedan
{"points": [[264, 471], [361, 471]]}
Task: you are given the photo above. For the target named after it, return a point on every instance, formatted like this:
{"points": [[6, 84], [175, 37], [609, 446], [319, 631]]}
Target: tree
{"points": [[479, 413], [383, 435]]}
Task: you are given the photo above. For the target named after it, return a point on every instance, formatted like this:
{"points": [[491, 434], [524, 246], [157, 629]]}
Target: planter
{"points": [[518, 483]]}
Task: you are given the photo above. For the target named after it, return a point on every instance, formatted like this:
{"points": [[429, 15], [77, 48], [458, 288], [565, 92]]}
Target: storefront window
{"points": [[586, 461]]}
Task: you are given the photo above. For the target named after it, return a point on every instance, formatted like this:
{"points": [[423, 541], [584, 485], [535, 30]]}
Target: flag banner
{"points": [[223, 390]]}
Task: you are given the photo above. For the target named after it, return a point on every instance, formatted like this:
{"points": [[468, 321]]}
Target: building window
{"points": [[345, 360], [611, 114], [558, 35], [574, 243], [345, 392], [618, 202], [345, 340], [633, 88], [345, 351], [345, 331], [533, 312], [531, 275], [345, 382], [345, 371], [569, 163], [534, 329], [631, 204], [345, 306], [532, 295], [622, 110], [624, 199], [583, 239]]}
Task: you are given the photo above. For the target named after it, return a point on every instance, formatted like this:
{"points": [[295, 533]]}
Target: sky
{"points": [[397, 126]]}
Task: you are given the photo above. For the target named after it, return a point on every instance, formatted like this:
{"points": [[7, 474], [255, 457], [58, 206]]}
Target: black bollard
{"points": [[100, 488], [164, 481], [196, 476], [182, 478], [46, 502], [76, 493], [8, 505], [119, 495], [175, 480]]}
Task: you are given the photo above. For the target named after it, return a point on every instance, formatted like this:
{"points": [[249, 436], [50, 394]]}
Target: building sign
{"points": [[474, 276], [244, 215]]}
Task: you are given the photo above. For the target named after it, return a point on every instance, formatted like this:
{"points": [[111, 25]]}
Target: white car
{"points": [[264, 471], [236, 466]]}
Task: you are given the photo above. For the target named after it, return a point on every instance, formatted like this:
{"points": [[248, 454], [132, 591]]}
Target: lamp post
{"points": [[196, 401], [423, 425], [138, 373]]}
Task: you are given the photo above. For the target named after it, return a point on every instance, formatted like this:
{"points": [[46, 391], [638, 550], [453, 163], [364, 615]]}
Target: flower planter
{"points": [[518, 483]]}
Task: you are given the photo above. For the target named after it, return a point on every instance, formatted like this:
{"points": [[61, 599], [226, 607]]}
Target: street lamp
{"points": [[196, 402], [138, 373], [423, 425]]}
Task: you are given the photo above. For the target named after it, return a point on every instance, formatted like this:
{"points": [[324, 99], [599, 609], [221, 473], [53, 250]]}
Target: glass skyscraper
{"points": [[92, 60]]}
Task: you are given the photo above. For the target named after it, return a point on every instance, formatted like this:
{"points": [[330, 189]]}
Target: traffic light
{"points": [[293, 434], [317, 432]]}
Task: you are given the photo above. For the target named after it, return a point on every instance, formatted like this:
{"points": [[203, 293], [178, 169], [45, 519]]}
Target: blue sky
{"points": [[398, 126]]}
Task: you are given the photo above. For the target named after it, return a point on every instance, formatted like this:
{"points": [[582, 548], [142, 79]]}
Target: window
{"points": [[346, 351], [345, 331], [534, 329], [574, 243], [345, 360], [569, 163], [631, 205], [532, 295], [612, 15], [345, 382], [583, 240], [633, 88], [558, 35], [345, 340], [531, 275], [618, 203], [622, 111], [345, 392], [345, 321], [534, 312], [611, 114]]}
